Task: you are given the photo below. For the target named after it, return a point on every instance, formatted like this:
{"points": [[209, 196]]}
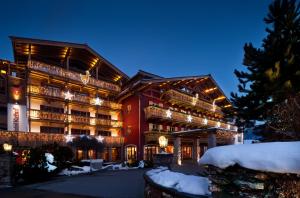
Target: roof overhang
{"points": [[81, 57]]}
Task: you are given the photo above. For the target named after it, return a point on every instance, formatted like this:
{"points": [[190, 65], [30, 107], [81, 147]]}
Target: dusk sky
{"points": [[168, 38]]}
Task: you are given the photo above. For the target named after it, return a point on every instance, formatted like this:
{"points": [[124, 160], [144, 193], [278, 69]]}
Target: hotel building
{"points": [[58, 89]]}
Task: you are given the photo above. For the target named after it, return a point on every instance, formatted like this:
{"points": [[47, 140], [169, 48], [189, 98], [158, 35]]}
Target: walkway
{"points": [[110, 184]]}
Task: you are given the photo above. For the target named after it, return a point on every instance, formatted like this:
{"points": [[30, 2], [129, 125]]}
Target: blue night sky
{"points": [[168, 38]]}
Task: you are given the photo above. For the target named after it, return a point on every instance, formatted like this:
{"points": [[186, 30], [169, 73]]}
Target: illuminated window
{"points": [[79, 154], [131, 153]]}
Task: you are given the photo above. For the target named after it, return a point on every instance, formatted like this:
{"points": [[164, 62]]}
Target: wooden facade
{"points": [[59, 88]]}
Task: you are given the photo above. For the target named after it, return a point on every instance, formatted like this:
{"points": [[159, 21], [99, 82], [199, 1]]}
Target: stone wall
{"points": [[237, 181]]}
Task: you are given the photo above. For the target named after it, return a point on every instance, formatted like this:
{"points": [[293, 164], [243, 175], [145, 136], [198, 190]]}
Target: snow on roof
{"points": [[278, 157]]}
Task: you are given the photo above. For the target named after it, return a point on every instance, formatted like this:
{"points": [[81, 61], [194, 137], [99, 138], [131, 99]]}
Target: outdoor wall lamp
{"points": [[7, 147], [163, 142]]}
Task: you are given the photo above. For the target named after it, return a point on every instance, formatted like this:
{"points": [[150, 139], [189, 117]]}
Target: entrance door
{"points": [[186, 152], [131, 152], [149, 150]]}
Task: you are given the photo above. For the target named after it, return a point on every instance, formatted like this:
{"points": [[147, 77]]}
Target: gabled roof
{"points": [[204, 85], [81, 56]]}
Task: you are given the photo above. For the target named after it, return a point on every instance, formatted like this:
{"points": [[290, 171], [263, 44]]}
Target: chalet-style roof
{"points": [[203, 85], [81, 57]]}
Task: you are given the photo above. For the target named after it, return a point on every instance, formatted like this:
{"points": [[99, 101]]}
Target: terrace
{"points": [[175, 117]]}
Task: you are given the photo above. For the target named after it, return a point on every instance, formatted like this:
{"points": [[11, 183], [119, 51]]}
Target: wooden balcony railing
{"points": [[51, 116], [60, 72], [32, 139], [43, 115], [58, 93], [79, 119], [184, 99], [182, 118]]}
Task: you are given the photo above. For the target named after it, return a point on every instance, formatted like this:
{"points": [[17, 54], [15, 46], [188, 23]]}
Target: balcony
{"points": [[113, 141], [191, 102], [152, 112], [38, 115], [59, 94], [79, 119], [49, 116], [31, 139], [67, 74]]}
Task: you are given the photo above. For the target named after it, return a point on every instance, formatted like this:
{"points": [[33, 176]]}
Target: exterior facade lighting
{"points": [[195, 99], [100, 138], [85, 78], [69, 138], [169, 113], [189, 118], [7, 147], [163, 142], [68, 95], [98, 101]]}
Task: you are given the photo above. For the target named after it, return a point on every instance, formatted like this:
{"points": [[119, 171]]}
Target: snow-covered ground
{"points": [[278, 157], [76, 170], [183, 183]]}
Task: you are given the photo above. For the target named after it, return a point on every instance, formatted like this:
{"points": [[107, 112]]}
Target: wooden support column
{"points": [[196, 150], [177, 151], [212, 141], [109, 153], [97, 75], [67, 62], [28, 93]]}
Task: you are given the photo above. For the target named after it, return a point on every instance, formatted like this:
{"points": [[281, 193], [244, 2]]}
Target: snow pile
{"points": [[278, 157], [183, 183], [76, 170], [50, 161], [93, 160], [141, 164]]}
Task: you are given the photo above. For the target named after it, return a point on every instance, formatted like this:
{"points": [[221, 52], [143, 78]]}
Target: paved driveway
{"points": [[110, 184]]}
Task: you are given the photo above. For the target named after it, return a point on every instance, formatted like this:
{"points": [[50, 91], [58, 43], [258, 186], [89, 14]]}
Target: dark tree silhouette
{"points": [[272, 72]]}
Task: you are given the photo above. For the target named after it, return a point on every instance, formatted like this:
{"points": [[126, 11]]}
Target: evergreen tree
{"points": [[273, 71]]}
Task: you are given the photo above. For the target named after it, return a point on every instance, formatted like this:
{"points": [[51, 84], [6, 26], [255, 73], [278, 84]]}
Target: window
{"points": [[47, 129], [2, 85], [131, 152], [14, 73], [51, 109], [80, 132], [149, 150], [80, 113], [103, 116], [104, 133], [155, 127]]}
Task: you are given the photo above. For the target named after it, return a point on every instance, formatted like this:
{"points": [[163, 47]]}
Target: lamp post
{"points": [[163, 143], [162, 158]]}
